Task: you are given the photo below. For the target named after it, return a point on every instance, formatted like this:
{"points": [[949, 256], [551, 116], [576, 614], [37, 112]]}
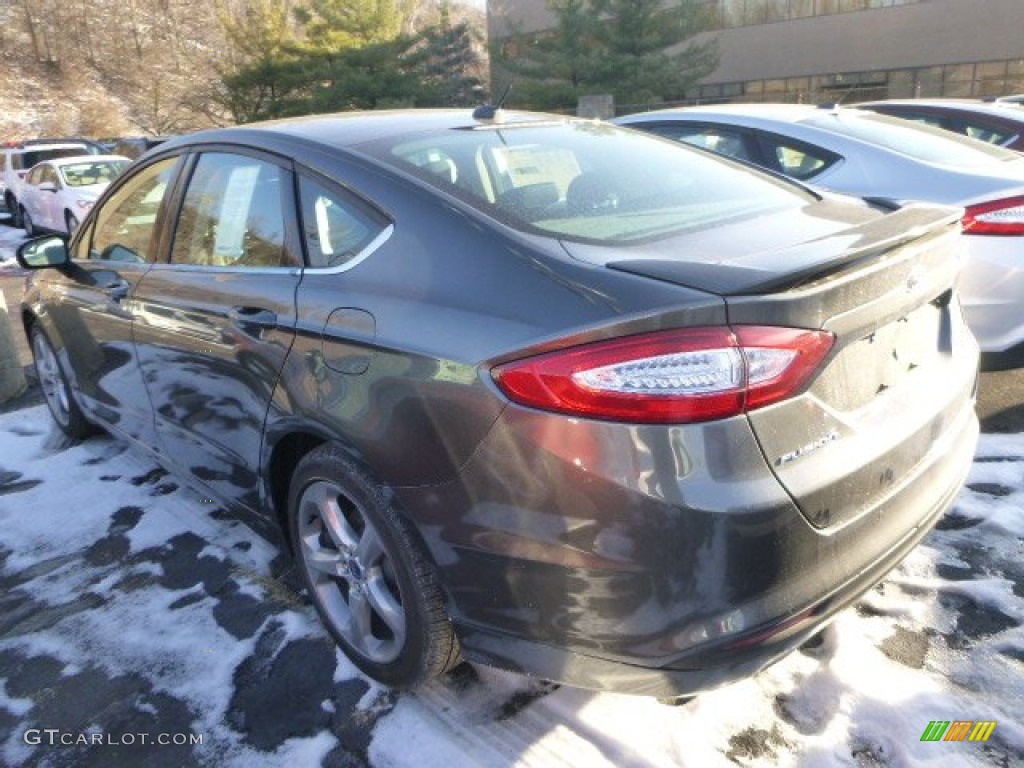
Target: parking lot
{"points": [[135, 608]]}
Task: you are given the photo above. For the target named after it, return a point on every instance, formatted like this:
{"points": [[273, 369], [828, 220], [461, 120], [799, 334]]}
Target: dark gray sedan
{"points": [[540, 393]]}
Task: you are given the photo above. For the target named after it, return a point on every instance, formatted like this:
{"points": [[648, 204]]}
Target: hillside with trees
{"points": [[125, 67]]}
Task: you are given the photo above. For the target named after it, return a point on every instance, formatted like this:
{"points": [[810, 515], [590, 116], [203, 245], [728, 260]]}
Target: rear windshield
{"points": [[587, 181], [923, 142]]}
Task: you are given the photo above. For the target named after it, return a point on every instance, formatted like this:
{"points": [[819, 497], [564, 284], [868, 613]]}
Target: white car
{"points": [[17, 157], [883, 158], [57, 194]]}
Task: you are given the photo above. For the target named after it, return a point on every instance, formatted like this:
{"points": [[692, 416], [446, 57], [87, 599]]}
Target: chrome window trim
{"points": [[359, 258], [364, 254]]}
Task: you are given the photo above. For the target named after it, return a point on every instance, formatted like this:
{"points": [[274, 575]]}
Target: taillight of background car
{"points": [[997, 217]]}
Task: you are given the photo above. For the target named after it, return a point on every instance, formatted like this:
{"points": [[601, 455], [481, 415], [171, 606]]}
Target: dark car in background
{"points": [[134, 146], [995, 122], [530, 391]]}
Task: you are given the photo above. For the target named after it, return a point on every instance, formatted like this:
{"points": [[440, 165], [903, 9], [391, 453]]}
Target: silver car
{"points": [[891, 161]]}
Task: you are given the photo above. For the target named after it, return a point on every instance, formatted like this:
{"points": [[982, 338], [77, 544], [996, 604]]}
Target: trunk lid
{"points": [[903, 369]]}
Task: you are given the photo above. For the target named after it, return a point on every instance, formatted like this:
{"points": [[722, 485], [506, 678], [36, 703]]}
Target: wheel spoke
{"points": [[324, 498], [370, 550], [50, 378], [362, 629], [322, 560], [386, 605]]}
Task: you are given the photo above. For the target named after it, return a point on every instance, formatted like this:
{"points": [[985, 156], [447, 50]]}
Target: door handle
{"points": [[253, 316], [117, 289]]}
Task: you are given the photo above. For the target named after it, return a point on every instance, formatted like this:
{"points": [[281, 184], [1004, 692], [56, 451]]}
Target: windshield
{"points": [[85, 174], [587, 181], [923, 142]]}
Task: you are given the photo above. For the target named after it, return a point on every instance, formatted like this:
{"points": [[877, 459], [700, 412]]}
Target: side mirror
{"points": [[47, 186], [44, 252]]}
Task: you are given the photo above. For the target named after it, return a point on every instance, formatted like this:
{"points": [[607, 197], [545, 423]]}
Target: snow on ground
{"points": [[10, 238], [128, 605]]}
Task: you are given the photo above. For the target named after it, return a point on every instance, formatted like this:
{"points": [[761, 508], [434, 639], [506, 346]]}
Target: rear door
{"points": [[217, 321]]}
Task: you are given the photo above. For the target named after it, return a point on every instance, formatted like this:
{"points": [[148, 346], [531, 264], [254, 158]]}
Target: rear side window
{"points": [[233, 214], [127, 224], [795, 158], [993, 134], [337, 226]]}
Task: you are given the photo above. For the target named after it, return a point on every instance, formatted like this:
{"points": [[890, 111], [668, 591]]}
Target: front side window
{"points": [[587, 181], [34, 176], [49, 175], [233, 214], [933, 120], [336, 225], [716, 138], [127, 224]]}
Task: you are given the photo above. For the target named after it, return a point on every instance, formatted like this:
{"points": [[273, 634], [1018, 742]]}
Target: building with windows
{"points": [[841, 50]]}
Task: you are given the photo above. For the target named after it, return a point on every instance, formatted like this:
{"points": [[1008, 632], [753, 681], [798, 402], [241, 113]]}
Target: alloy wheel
{"points": [[350, 572], [51, 380]]}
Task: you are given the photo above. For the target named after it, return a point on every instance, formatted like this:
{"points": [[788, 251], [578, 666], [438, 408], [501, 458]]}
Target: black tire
{"points": [[70, 222], [372, 571], [27, 224], [56, 389], [15, 209]]}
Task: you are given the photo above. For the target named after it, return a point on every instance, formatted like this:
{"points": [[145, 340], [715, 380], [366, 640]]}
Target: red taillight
{"points": [[999, 217], [669, 377]]}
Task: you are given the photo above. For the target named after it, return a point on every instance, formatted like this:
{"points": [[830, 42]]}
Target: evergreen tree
{"points": [[637, 50], [258, 70], [336, 25], [450, 64], [349, 54]]}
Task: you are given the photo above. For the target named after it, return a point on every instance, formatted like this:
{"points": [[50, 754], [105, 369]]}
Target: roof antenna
{"points": [[490, 111]]}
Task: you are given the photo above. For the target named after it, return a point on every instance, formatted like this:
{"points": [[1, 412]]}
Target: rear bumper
{"points": [[706, 667], [655, 560]]}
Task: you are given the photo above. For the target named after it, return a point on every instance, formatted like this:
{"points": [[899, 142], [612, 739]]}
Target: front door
{"points": [[92, 307]]}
